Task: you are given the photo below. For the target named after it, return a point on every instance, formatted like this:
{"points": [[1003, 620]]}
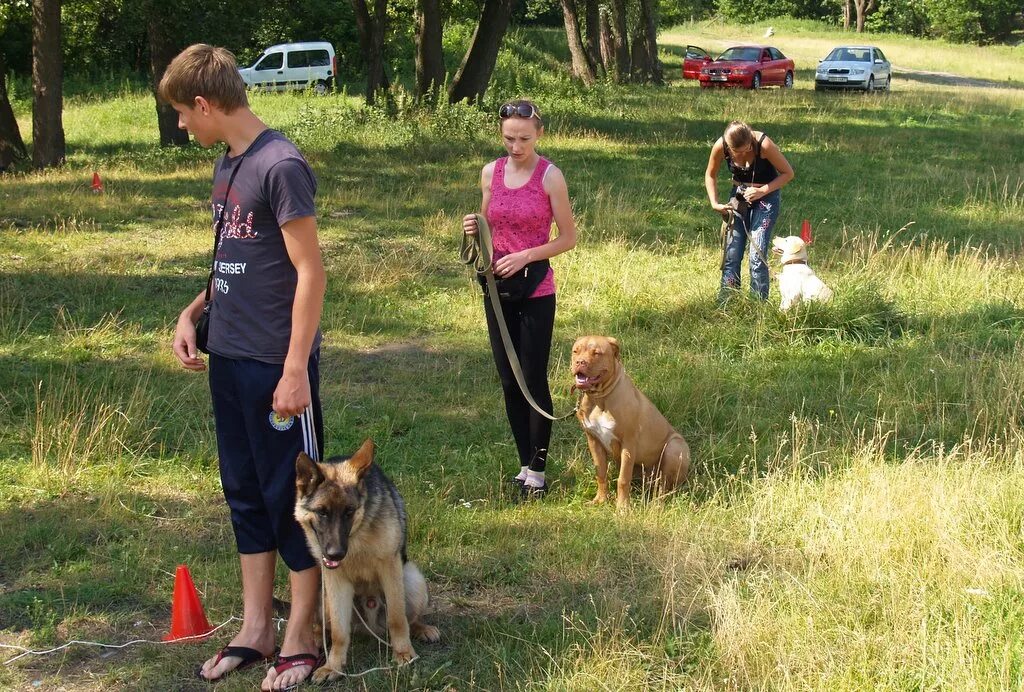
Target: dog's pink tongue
{"points": [[331, 564], [581, 379]]}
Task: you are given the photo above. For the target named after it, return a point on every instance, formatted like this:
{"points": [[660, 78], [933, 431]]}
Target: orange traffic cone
{"points": [[805, 232], [187, 616], [97, 185]]}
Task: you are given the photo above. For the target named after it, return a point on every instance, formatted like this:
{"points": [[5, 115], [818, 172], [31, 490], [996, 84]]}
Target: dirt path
{"points": [[952, 79]]}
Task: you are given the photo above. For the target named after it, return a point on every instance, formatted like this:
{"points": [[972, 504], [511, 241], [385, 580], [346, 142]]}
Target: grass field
{"points": [[856, 515]]}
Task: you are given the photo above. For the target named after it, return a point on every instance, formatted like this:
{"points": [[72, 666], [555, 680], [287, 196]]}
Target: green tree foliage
{"points": [[959, 21], [110, 35]]}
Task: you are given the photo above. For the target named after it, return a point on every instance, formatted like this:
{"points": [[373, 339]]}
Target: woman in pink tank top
{"points": [[522, 194]]}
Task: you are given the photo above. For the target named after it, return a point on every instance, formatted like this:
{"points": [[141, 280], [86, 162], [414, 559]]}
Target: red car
{"points": [[746, 66]]}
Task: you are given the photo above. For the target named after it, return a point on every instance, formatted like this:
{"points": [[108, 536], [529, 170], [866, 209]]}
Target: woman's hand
{"points": [[720, 208], [510, 264], [469, 224], [752, 194]]}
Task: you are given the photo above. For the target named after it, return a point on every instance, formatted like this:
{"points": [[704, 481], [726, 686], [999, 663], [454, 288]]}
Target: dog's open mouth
{"points": [[585, 382], [330, 564]]}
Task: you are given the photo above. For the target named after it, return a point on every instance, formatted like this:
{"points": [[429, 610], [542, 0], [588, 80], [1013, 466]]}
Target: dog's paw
{"points": [[599, 499], [424, 632], [325, 674], [404, 654]]}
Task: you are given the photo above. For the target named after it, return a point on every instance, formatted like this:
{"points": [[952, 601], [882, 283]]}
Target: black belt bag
{"points": [[520, 285]]}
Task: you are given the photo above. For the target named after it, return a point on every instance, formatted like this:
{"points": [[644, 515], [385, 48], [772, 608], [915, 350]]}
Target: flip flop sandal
{"points": [[283, 663], [250, 657]]}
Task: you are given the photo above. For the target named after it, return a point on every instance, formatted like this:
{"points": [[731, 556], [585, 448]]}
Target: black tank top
{"points": [[760, 172]]}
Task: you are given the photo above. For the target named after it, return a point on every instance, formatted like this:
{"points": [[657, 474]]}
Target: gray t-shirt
{"points": [[253, 279]]}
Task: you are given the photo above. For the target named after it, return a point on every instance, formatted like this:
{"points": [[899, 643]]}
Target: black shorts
{"points": [[257, 454]]}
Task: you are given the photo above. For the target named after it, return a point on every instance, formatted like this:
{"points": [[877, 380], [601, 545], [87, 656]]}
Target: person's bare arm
{"points": [[469, 220], [184, 344], [293, 395], [711, 174]]}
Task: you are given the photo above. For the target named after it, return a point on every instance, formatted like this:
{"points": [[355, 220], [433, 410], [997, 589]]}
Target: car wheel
{"points": [[871, 84], [788, 84], [888, 83], [755, 81], [320, 88]]}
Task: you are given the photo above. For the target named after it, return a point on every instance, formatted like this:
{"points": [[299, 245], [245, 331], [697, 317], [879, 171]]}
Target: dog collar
{"points": [[795, 261]]}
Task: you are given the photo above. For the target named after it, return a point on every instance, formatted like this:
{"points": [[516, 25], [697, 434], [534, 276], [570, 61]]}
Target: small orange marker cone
{"points": [[97, 184], [805, 232], [187, 616]]}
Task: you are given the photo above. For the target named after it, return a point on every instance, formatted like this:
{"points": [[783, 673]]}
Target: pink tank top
{"points": [[520, 218]]}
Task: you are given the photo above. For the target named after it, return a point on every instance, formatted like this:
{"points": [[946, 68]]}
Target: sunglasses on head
{"points": [[522, 110]]}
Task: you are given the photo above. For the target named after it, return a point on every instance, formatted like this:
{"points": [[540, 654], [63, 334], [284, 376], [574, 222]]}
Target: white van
{"points": [[293, 66]]}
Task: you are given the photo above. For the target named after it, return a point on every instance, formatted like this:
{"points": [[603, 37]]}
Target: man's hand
{"points": [[292, 395], [184, 344]]}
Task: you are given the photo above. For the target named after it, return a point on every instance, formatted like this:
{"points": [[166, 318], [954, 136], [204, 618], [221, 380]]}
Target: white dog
{"points": [[797, 282]]}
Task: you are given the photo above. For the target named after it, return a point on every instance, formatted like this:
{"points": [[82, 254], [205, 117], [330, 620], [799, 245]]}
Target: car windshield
{"points": [[849, 55], [750, 54]]}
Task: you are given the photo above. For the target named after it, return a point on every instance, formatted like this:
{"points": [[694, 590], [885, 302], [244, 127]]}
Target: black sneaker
{"points": [[530, 492]]}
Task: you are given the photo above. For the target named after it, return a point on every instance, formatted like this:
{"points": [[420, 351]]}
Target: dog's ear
{"points": [[307, 475], [616, 351], [363, 458]]}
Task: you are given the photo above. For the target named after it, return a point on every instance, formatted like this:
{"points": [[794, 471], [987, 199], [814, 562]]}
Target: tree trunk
{"points": [[860, 6], [12, 146], [429, 55], [649, 21], [607, 43], [639, 67], [47, 85], [622, 66], [474, 74], [847, 12], [371, 40], [593, 33], [582, 68], [162, 50]]}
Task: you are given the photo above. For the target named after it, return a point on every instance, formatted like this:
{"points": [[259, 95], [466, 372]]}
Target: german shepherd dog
{"points": [[355, 524]]}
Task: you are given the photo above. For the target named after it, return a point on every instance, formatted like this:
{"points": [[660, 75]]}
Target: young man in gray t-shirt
{"points": [[267, 293]]}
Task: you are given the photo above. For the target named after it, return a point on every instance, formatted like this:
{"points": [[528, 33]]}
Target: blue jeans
{"points": [[757, 223]]}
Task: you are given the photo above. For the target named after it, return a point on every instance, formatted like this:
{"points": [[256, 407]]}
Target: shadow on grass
{"points": [[660, 169], [80, 568], [953, 80]]}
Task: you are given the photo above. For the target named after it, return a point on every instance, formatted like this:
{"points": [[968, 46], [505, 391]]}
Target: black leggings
{"points": [[530, 324]]}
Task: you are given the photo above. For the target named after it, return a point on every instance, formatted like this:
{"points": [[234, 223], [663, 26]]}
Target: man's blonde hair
{"points": [[207, 71], [738, 135]]}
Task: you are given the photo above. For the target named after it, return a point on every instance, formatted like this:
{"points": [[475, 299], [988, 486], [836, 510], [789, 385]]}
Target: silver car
{"points": [[854, 67]]}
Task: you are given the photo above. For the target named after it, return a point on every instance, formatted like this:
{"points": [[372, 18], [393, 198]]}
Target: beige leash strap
{"points": [[478, 251]]}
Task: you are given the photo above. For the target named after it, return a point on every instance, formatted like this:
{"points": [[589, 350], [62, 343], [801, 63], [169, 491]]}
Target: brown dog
{"points": [[619, 420]]}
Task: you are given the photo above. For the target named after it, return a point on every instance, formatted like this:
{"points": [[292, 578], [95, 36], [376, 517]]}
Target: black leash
{"points": [[478, 252]]}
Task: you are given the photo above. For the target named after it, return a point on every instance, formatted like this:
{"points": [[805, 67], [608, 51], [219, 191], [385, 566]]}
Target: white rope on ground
{"points": [[323, 620], [30, 652], [323, 628]]}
